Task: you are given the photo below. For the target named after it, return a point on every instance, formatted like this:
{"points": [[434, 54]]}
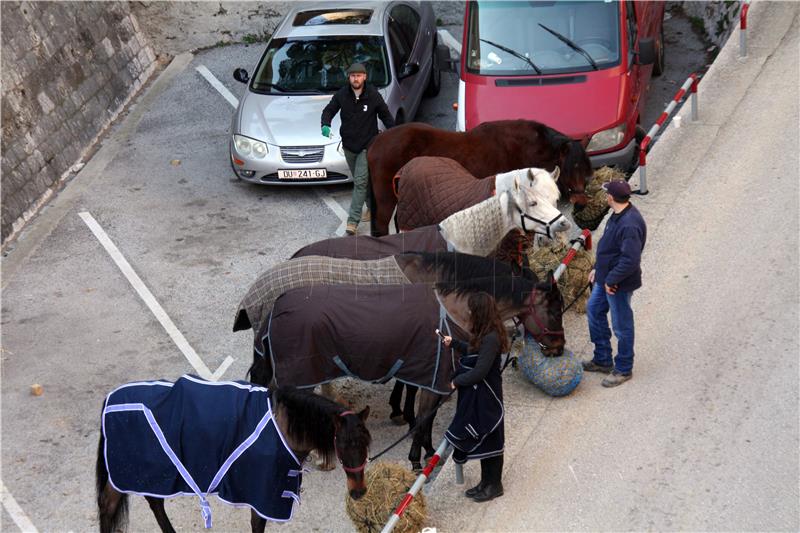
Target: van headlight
{"points": [[247, 146], [603, 140]]}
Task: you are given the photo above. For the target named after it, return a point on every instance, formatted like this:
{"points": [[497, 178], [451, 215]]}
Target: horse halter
{"points": [[547, 225], [349, 470], [543, 329]]}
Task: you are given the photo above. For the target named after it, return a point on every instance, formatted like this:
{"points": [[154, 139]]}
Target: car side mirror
{"points": [[409, 69], [241, 75], [647, 51]]}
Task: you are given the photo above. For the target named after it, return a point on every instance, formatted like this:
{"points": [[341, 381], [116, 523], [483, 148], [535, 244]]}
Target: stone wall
{"points": [[718, 18], [67, 70]]}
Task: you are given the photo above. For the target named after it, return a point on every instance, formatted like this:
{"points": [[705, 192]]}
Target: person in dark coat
{"points": [[477, 428], [616, 275], [361, 104]]}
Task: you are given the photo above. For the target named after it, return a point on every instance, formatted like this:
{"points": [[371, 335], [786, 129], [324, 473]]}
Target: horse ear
{"points": [[364, 414], [516, 183], [531, 175], [556, 173]]}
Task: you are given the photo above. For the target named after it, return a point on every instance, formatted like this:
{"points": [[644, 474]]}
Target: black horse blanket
{"points": [[373, 333], [364, 247], [430, 189], [200, 437]]}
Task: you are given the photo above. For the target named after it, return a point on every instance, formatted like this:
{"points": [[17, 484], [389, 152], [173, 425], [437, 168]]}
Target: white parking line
{"points": [[215, 83], [17, 515], [329, 201], [448, 39], [149, 300]]}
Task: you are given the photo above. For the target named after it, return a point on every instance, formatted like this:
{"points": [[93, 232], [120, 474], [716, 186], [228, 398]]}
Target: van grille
{"points": [[302, 154]]}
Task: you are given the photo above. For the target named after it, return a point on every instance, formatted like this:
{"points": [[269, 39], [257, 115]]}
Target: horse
{"points": [[476, 230], [490, 148], [263, 436], [315, 335], [430, 189]]}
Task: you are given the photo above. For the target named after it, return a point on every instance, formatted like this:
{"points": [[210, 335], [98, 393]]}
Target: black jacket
{"points": [[619, 252], [359, 124], [488, 352]]}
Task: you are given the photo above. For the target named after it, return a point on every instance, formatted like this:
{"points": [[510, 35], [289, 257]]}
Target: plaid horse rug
{"points": [[308, 272], [373, 333], [430, 189], [196, 437]]}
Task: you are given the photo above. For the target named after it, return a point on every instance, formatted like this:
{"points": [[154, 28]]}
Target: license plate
{"points": [[303, 174]]}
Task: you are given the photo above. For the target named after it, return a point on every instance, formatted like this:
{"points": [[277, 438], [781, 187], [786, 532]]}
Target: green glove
{"points": [[326, 131]]}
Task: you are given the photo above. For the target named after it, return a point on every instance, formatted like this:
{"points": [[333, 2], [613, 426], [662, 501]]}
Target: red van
{"points": [[581, 67]]}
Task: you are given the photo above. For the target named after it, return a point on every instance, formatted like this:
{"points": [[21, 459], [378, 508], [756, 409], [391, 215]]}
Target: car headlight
{"points": [[603, 140], [247, 146], [340, 149]]}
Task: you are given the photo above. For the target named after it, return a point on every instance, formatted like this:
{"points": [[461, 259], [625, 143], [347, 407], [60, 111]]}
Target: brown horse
{"points": [[489, 149]]}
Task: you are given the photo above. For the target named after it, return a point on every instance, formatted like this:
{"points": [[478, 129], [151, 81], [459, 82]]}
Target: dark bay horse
{"points": [[288, 424], [316, 335], [488, 149]]}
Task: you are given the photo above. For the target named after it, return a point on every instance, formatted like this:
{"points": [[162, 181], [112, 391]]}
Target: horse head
{"points": [[576, 170], [533, 208], [351, 442], [543, 317]]}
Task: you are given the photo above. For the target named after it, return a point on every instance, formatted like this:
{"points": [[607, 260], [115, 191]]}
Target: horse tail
{"points": [[260, 372], [112, 506]]}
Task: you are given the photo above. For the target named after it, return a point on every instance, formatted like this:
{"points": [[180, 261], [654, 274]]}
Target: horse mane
{"points": [[454, 267], [310, 419], [513, 288]]}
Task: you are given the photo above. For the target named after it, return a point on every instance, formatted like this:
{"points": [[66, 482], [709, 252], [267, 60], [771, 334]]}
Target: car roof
{"points": [[374, 27]]}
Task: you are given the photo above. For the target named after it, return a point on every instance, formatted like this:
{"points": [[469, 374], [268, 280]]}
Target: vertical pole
{"points": [[743, 28], [643, 166], [459, 474], [694, 97]]}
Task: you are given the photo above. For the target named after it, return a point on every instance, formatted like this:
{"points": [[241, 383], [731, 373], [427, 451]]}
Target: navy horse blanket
{"points": [[200, 437], [374, 333]]}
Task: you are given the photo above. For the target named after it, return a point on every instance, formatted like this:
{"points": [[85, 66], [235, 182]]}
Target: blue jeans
{"points": [[621, 320]]}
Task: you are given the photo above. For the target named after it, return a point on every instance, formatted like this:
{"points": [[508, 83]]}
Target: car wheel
{"points": [[659, 65], [435, 83]]}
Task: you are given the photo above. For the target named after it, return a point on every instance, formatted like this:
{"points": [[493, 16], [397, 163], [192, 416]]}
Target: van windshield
{"points": [[318, 65], [512, 38]]}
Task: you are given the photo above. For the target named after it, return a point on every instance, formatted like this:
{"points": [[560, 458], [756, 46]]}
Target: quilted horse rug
{"points": [[318, 334], [199, 437], [365, 247], [430, 189]]}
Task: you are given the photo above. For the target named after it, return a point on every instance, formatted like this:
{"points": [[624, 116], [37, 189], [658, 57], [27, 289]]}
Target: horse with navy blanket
{"points": [[490, 148], [243, 443], [317, 334]]}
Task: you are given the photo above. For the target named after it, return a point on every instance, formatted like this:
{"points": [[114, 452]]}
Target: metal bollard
{"points": [[743, 29]]}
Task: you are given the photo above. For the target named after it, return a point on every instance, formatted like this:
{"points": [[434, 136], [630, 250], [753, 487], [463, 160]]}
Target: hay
{"points": [[387, 484], [592, 214], [574, 278], [555, 376]]}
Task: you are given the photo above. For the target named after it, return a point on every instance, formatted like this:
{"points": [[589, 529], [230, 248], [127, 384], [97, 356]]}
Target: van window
{"points": [[332, 16], [514, 25], [632, 29], [408, 22]]}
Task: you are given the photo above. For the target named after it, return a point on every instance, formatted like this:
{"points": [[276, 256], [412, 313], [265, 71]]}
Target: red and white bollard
{"points": [[689, 85], [584, 239], [743, 28]]}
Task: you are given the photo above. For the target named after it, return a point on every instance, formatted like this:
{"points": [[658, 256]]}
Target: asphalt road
{"points": [[704, 438]]}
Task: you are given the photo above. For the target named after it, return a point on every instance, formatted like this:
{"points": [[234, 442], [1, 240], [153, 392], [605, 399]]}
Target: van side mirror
{"points": [[408, 69], [241, 75], [647, 51]]}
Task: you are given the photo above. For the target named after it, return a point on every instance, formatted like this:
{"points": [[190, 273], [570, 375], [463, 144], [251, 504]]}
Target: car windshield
{"points": [[319, 65], [517, 38]]}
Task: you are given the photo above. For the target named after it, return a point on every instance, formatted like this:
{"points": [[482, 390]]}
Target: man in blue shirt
{"points": [[616, 275]]}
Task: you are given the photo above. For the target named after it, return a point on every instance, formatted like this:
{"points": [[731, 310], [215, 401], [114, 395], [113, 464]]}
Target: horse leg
{"points": [[112, 508], [157, 506], [428, 401], [394, 401], [408, 407], [385, 201], [257, 524]]}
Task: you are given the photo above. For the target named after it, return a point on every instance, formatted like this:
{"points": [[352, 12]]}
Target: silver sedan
{"points": [[276, 135]]}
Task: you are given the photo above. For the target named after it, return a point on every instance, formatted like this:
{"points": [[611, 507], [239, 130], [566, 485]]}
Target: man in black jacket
{"points": [[616, 275], [360, 104]]}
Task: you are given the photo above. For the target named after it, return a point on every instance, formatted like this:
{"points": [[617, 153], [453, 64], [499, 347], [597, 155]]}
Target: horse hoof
{"points": [[397, 420], [321, 466]]}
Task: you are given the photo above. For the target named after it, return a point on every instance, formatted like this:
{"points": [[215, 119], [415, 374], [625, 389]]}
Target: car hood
{"points": [[575, 109], [285, 120]]}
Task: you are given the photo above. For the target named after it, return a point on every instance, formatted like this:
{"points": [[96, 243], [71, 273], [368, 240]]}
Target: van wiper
{"points": [[270, 86], [572, 45], [514, 53]]}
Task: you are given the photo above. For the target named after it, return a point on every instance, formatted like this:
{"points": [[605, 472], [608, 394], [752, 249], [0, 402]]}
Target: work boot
{"points": [[489, 492], [351, 229], [591, 366], [617, 378]]}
